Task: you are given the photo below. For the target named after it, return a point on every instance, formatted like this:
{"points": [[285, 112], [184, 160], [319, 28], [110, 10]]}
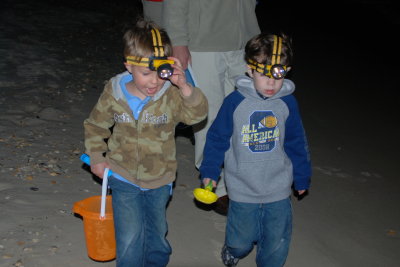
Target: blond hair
{"points": [[138, 41]]}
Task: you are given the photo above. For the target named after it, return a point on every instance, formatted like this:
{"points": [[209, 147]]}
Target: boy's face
{"points": [[264, 85], [147, 82]]}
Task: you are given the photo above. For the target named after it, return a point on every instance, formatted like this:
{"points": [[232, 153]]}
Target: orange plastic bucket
{"points": [[99, 232]]}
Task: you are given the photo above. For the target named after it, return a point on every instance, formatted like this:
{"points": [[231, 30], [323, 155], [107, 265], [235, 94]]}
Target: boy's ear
{"points": [[249, 71], [128, 67]]}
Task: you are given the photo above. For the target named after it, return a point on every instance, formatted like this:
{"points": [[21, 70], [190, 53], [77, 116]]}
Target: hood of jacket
{"points": [[245, 86], [119, 94]]}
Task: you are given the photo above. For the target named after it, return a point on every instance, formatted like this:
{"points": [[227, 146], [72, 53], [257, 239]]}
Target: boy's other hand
{"points": [[206, 181], [300, 194], [182, 53], [98, 169]]}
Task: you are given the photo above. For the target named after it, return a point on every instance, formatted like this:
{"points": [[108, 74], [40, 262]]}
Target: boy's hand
{"points": [[206, 181], [98, 169], [300, 194], [179, 78]]}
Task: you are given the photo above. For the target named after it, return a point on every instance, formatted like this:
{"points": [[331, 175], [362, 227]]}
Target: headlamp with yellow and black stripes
{"points": [[158, 62], [276, 70]]}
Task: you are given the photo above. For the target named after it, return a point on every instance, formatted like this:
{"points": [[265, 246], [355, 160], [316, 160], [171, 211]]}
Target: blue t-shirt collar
{"points": [[135, 103]]}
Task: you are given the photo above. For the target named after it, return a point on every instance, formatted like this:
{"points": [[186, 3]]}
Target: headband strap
{"points": [[157, 43], [257, 66], [276, 69], [138, 61], [277, 50], [158, 51]]}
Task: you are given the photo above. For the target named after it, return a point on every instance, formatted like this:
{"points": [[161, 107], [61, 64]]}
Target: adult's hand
{"points": [[182, 53]]}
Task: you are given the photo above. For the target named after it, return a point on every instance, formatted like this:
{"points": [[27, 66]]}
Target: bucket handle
{"points": [[104, 194], [107, 172]]}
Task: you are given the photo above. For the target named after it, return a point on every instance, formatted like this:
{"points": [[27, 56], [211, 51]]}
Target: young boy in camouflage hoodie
{"points": [[131, 131]]}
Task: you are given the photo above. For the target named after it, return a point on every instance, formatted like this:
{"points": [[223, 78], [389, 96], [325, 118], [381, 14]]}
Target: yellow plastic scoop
{"points": [[205, 195]]}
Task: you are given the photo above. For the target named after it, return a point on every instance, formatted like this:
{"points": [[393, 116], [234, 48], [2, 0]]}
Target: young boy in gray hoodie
{"points": [[259, 138]]}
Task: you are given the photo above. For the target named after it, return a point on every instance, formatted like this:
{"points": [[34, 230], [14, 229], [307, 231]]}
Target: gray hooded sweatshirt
{"points": [[261, 143]]}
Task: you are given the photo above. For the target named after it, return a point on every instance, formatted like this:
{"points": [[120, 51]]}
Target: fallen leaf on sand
{"points": [[391, 232]]}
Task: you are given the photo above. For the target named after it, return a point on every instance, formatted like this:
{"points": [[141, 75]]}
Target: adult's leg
{"points": [[209, 69], [235, 66], [276, 231], [127, 202]]}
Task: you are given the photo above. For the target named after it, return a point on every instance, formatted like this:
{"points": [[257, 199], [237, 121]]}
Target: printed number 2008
{"points": [[261, 147]]}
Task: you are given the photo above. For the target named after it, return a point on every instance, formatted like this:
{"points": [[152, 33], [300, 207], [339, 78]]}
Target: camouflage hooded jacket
{"points": [[142, 151]]}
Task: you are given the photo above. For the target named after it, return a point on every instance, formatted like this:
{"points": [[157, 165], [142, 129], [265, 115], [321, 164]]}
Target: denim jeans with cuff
{"points": [[268, 225], [140, 224]]}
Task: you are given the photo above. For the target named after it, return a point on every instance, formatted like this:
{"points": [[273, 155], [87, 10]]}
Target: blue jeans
{"points": [[140, 224], [269, 225]]}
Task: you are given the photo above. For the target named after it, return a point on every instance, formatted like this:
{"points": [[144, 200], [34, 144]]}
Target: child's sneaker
{"points": [[227, 258]]}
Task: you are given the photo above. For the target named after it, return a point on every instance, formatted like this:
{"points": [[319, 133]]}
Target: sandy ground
{"points": [[55, 59]]}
